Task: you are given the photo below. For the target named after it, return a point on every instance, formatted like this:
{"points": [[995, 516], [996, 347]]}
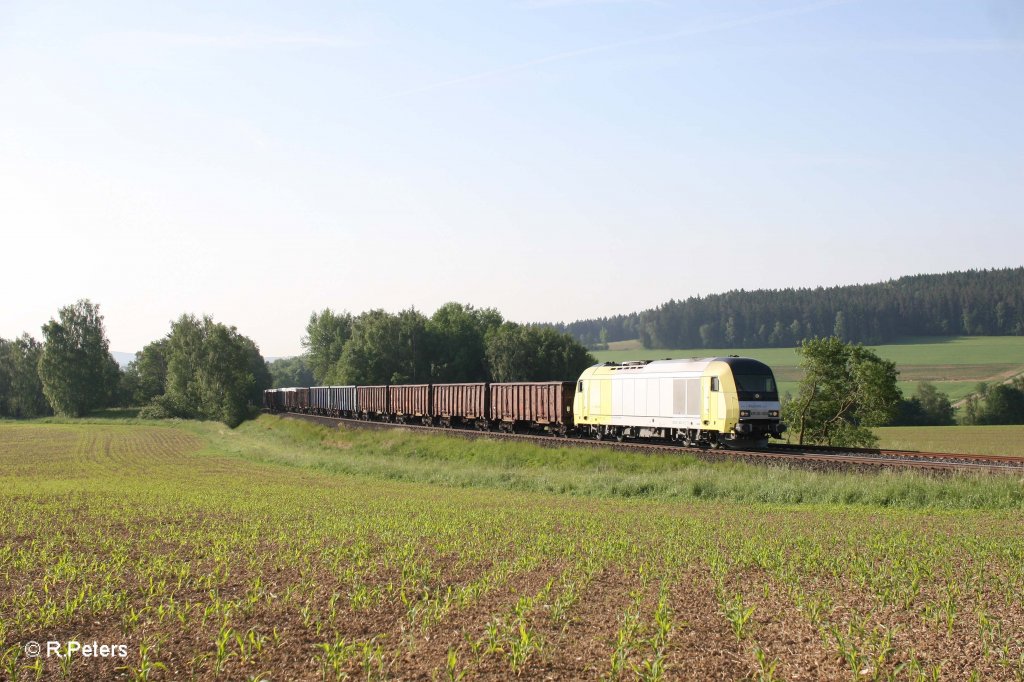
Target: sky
{"points": [[554, 159]]}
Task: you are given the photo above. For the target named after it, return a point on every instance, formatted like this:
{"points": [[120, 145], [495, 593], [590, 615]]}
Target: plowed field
{"points": [[210, 566]]}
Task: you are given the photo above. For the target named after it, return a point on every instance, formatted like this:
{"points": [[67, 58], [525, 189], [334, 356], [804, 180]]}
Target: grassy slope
{"points": [[587, 472], [451, 461], [955, 350]]}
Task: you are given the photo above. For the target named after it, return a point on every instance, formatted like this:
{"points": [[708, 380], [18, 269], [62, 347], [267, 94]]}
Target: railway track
{"points": [[812, 457]]}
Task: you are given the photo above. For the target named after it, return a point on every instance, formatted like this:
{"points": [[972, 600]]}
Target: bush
{"points": [[166, 407]]}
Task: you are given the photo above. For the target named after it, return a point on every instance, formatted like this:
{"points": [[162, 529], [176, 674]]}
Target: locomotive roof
{"points": [[737, 364]]}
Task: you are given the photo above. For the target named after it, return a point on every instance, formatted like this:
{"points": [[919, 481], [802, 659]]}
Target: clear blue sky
{"points": [[555, 159]]}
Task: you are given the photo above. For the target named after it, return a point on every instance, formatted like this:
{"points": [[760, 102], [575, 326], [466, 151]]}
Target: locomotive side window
{"points": [[580, 389], [714, 383]]}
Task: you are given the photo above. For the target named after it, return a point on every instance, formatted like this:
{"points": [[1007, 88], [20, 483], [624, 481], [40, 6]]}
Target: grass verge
{"points": [[590, 472]]}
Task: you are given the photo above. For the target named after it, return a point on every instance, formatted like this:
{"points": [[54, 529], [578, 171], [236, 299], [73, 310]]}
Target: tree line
{"points": [[999, 404], [200, 369], [458, 343], [206, 369], [975, 302]]}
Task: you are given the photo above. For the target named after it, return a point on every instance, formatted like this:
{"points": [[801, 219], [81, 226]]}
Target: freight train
{"points": [[709, 402]]}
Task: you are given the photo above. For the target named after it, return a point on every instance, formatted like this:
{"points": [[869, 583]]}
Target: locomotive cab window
{"points": [[756, 387], [714, 383], [580, 389]]}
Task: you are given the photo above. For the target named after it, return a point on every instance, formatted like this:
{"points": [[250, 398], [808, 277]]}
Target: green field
{"points": [[954, 364], [989, 440], [285, 551]]}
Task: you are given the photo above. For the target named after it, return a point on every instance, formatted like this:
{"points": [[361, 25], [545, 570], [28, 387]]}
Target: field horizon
{"points": [[954, 364]]}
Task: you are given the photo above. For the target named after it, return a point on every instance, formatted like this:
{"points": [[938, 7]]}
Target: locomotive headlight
{"points": [[773, 413], [744, 413]]}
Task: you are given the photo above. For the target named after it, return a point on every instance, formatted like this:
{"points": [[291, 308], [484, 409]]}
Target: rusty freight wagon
{"points": [[543, 405], [410, 402], [372, 402], [296, 399], [456, 404], [273, 399]]}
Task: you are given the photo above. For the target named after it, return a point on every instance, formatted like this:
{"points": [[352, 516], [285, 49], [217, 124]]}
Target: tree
{"points": [[972, 409], [212, 371], [386, 349], [257, 367], [458, 341], [935, 405], [5, 376], [845, 390], [1000, 404], [21, 391], [928, 408], [287, 372], [76, 368], [839, 328], [527, 353], [324, 342], [145, 377]]}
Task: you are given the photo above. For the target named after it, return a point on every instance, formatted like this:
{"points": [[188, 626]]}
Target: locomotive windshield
{"points": [[756, 387]]}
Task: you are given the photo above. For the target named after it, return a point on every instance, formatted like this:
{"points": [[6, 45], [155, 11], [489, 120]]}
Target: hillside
{"points": [[971, 303]]}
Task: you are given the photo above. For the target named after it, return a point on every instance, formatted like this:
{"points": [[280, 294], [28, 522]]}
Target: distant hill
{"points": [[974, 302]]}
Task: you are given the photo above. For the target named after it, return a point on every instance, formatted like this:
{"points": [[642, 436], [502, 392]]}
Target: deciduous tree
{"points": [[386, 348], [929, 407], [76, 368], [518, 352], [845, 390], [324, 342], [212, 371], [21, 390], [146, 376], [291, 372], [458, 344]]}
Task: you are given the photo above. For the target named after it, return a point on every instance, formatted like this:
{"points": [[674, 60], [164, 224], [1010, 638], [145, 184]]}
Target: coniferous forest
{"points": [[975, 302]]}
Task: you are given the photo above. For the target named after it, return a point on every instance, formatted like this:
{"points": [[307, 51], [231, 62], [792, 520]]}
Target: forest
{"points": [[970, 303]]}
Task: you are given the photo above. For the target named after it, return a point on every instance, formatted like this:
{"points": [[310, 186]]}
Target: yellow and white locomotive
{"points": [[728, 401]]}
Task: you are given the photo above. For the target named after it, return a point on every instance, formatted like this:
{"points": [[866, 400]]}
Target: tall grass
{"points": [[590, 472]]}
